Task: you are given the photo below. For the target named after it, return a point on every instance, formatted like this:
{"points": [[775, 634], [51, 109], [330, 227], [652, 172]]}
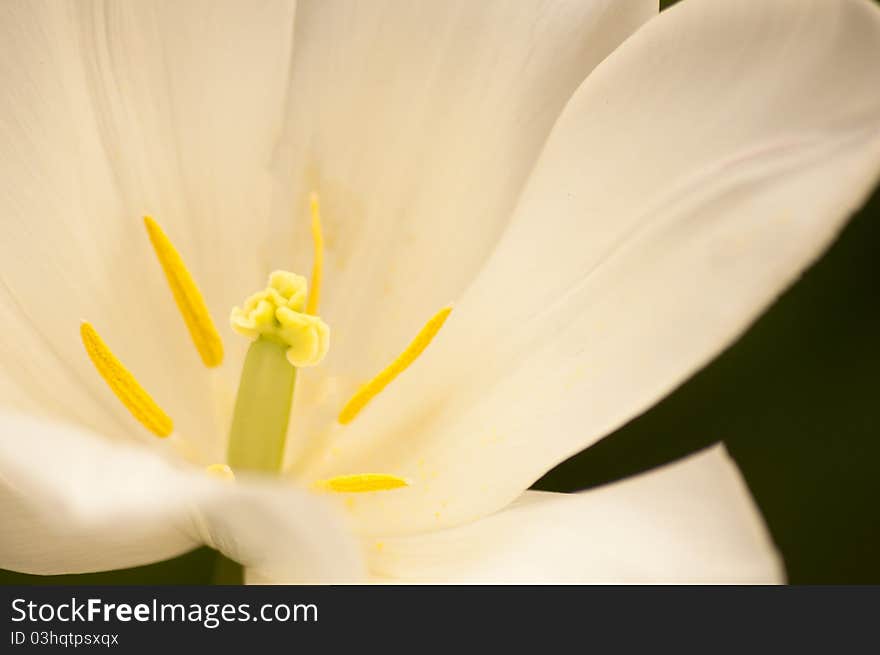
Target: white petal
{"points": [[689, 522], [73, 503], [418, 124], [115, 110], [692, 177]]}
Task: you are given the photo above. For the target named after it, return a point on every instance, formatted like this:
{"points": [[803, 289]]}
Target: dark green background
{"points": [[795, 400]]}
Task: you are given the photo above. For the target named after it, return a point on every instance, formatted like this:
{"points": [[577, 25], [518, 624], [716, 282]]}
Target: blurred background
{"points": [[795, 401]]}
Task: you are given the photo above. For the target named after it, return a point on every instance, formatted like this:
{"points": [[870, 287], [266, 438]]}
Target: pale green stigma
{"points": [[277, 314]]}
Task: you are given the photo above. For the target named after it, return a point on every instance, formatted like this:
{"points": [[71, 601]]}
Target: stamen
{"points": [[187, 296], [361, 483], [221, 472], [124, 385], [375, 386], [318, 264]]}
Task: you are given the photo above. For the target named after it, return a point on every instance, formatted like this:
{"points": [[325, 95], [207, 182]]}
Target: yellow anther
{"points": [[372, 388], [187, 296], [362, 482], [123, 384], [221, 472], [318, 264], [277, 313]]}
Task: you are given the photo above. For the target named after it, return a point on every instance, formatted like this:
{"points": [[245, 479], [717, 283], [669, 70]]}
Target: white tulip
{"points": [[609, 197]]}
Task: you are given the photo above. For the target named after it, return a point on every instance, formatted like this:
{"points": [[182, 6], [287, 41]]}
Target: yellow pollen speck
{"points": [[187, 296], [221, 472], [361, 482], [277, 313], [124, 385], [318, 263], [380, 546], [375, 386]]}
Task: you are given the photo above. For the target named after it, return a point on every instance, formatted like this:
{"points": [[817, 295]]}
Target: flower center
{"points": [[286, 334]]}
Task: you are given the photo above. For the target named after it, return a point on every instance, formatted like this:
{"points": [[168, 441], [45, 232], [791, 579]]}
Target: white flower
{"points": [[608, 208]]}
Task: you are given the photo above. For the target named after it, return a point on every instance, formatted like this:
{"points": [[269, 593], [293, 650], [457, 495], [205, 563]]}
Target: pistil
{"points": [[284, 338], [262, 409]]}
